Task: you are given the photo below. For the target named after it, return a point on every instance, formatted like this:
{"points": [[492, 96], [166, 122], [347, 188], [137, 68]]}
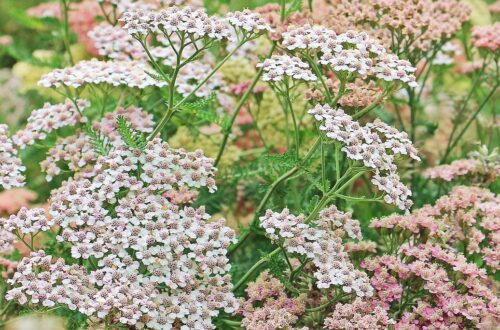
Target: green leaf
{"points": [[132, 138], [99, 142], [295, 6]]}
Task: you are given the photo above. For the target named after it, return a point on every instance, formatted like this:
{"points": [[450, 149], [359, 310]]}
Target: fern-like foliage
{"points": [[99, 142], [132, 138]]}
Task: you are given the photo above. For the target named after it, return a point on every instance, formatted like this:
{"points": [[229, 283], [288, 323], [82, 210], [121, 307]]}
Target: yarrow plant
{"points": [[171, 164]]}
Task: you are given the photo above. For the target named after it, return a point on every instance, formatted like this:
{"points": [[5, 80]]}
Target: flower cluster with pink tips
{"points": [[376, 145], [156, 264], [45, 120], [487, 37], [77, 152], [268, 306], [466, 219], [321, 242], [457, 293], [278, 67], [11, 167], [115, 73], [349, 52]]}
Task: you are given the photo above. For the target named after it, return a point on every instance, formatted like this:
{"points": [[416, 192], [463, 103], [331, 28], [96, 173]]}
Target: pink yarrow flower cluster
{"points": [[467, 219], [320, 242], [192, 74], [360, 314], [487, 37], [28, 221], [157, 265], [450, 172], [443, 274], [11, 167], [419, 24], [268, 307], [248, 21], [375, 145], [174, 19]]}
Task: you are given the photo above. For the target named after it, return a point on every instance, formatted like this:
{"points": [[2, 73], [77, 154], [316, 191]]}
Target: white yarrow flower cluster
{"points": [[278, 67], [115, 43], [192, 74], [77, 151], [48, 119], [174, 19], [28, 221], [159, 265], [320, 242], [376, 145], [248, 20], [11, 167], [115, 73], [350, 52]]}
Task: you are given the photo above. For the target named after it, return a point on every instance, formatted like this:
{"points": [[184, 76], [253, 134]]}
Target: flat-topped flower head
{"points": [[131, 74], [158, 265], [487, 37], [28, 221], [51, 117], [187, 20], [11, 167], [308, 37], [268, 306], [278, 67], [419, 24], [319, 241], [248, 21], [77, 151], [349, 53], [116, 43], [376, 145]]}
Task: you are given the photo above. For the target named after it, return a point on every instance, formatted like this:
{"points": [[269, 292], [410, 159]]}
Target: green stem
{"points": [[271, 190], [369, 108], [249, 273], [325, 305], [242, 101], [65, 9], [173, 108], [471, 119], [294, 120], [323, 167]]}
